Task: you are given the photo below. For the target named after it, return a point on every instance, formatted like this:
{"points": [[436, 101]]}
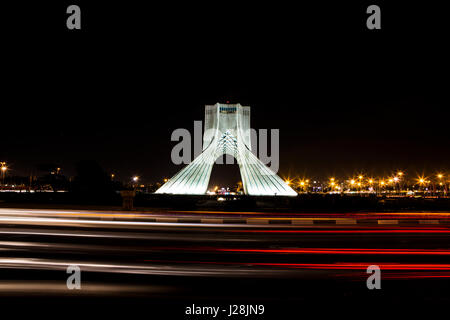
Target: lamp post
{"points": [[3, 170], [422, 182], [135, 181], [440, 176], [401, 181], [381, 186], [352, 184], [396, 180]]}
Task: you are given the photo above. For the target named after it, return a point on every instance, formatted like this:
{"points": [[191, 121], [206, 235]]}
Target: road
{"points": [[164, 261]]}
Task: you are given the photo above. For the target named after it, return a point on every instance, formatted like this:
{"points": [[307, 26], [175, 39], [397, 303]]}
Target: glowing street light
{"points": [[3, 168], [135, 178], [332, 182], [303, 184], [440, 176]]}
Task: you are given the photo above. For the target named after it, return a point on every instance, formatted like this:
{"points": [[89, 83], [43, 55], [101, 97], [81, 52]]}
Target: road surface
{"points": [[166, 261]]}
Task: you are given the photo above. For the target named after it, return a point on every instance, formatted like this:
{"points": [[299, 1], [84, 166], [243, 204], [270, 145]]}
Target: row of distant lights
{"points": [[3, 168], [135, 178], [333, 183], [302, 183]]}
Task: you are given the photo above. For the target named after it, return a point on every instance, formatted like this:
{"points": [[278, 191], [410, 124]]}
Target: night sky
{"points": [[344, 98]]}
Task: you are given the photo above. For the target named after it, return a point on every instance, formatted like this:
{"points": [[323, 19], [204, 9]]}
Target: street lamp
{"points": [[3, 168], [332, 183], [303, 184], [422, 181], [391, 182], [135, 182], [395, 180], [439, 176], [381, 183], [401, 185]]}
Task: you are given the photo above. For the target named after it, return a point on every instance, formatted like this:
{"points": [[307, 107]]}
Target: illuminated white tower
{"points": [[227, 131]]}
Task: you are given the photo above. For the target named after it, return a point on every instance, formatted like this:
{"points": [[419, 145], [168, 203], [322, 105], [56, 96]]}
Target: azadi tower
{"points": [[227, 131]]}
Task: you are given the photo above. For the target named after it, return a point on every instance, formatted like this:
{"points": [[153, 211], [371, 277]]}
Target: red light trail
{"points": [[342, 251], [359, 231]]}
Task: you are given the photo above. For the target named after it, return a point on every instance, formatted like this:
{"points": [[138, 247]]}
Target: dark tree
{"points": [[92, 180]]}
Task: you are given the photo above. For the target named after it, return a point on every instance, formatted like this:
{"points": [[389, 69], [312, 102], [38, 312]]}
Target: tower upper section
{"points": [[221, 118]]}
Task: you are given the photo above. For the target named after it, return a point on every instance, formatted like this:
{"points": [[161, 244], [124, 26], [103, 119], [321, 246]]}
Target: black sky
{"points": [[344, 98]]}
